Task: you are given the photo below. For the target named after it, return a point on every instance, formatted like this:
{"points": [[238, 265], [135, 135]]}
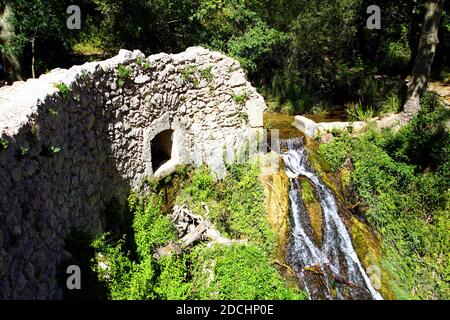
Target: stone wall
{"points": [[73, 140], [311, 129]]}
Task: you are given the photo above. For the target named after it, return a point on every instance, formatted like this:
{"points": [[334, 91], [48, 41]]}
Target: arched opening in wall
{"points": [[161, 149]]}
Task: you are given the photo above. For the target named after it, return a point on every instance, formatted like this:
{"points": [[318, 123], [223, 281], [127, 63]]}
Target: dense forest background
{"points": [[304, 55]]}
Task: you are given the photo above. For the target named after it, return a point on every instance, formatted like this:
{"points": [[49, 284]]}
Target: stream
{"points": [[330, 269]]}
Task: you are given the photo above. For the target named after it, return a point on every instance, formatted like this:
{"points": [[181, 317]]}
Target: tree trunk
{"points": [[33, 59], [11, 61], [424, 59]]}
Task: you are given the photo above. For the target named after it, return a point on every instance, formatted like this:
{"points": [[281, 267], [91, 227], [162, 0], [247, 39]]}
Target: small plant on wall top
{"points": [[207, 74], [63, 90], [144, 64], [188, 75], [123, 75]]}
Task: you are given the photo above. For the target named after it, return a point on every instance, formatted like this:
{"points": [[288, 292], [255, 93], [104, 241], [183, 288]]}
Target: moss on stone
{"points": [[312, 205], [368, 246], [276, 198]]}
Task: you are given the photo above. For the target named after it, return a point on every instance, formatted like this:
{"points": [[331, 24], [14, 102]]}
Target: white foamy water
{"points": [[336, 252]]}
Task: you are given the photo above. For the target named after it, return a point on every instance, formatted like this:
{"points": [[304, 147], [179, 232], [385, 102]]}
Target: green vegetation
{"points": [[239, 272], [54, 149], [143, 63], [207, 74], [53, 112], [310, 54], [308, 192], [136, 276], [209, 77], [256, 45], [335, 153], [240, 98], [127, 267], [305, 57], [402, 182], [356, 112], [123, 75], [34, 23], [243, 115], [63, 90], [23, 151], [146, 65], [189, 75], [4, 144], [236, 204], [392, 104]]}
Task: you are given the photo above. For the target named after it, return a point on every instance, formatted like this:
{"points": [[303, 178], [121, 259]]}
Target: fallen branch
{"points": [[317, 269], [192, 228], [286, 266], [353, 206]]}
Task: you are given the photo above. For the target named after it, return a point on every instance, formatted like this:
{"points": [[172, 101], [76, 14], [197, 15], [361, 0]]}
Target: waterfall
{"points": [[330, 269]]}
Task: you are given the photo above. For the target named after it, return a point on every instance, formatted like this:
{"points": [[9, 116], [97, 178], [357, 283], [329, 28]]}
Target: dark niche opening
{"points": [[161, 148]]}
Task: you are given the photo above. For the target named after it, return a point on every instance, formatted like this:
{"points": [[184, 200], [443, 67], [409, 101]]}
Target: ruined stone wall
{"points": [[73, 140]]}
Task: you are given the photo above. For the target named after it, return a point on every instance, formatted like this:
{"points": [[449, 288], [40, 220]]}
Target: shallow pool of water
{"points": [[282, 122]]}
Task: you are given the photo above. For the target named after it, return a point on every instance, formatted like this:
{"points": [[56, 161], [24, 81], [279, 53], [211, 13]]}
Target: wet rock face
{"points": [[276, 195], [74, 139]]}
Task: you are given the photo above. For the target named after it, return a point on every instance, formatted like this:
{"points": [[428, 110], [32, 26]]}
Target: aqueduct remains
{"points": [[74, 139]]}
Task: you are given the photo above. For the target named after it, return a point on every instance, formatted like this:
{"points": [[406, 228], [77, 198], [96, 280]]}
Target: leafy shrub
{"points": [[151, 228], [227, 272], [117, 276], [402, 183], [172, 284], [396, 53], [257, 47], [236, 204], [245, 206], [145, 64], [425, 141], [125, 277], [237, 272], [335, 153], [202, 185]]}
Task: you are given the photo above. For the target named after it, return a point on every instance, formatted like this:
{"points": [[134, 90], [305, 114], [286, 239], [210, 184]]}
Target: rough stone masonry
{"points": [[74, 140]]}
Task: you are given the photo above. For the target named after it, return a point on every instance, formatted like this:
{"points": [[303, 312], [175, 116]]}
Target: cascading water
{"points": [[330, 269]]}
